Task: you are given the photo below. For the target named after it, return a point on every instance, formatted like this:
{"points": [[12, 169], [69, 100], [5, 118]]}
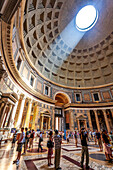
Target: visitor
{"points": [[32, 135], [68, 137], [40, 140], [14, 139], [19, 147], [94, 137], [26, 140], [75, 135], [50, 146], [106, 145], [84, 139], [98, 138], [58, 142]]}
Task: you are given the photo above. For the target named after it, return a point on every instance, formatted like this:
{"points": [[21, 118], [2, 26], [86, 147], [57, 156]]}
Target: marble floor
{"points": [[70, 158]]}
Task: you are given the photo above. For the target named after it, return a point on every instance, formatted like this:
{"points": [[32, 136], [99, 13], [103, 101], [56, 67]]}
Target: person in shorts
{"points": [[19, 147]]}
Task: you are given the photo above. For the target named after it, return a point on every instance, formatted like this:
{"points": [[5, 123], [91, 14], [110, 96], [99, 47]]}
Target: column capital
{"points": [[22, 97]]}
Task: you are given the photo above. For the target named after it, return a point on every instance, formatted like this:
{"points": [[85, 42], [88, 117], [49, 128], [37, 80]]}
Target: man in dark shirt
{"points": [[83, 137], [98, 137]]}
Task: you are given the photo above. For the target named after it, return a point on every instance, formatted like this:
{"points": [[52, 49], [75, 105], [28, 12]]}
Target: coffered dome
{"points": [[89, 63]]}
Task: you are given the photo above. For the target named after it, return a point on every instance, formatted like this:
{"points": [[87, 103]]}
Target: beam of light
{"points": [[61, 48], [70, 35]]}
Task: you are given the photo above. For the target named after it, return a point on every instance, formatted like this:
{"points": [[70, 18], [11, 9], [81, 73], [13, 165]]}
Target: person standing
{"points": [[75, 135], [98, 137], [106, 146], [32, 135], [40, 140], [19, 147], [84, 139], [50, 147], [58, 142], [14, 139]]}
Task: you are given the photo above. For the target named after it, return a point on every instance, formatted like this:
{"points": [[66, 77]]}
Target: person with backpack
{"points": [[50, 146]]}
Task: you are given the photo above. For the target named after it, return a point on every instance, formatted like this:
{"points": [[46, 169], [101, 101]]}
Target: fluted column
{"points": [[97, 121], [2, 115], [49, 119], [27, 119], [85, 124], [20, 112], [53, 119], [78, 124], [106, 120], [42, 120], [90, 122], [35, 117], [71, 120], [2, 105], [112, 112], [8, 115], [11, 123]]}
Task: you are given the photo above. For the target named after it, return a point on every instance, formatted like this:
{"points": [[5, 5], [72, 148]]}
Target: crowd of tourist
{"points": [[25, 139]]}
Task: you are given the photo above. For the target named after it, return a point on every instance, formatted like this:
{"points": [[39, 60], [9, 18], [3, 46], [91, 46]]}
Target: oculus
{"points": [[86, 18]]}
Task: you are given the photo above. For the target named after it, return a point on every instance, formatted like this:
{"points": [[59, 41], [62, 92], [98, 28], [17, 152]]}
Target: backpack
{"points": [[50, 144]]}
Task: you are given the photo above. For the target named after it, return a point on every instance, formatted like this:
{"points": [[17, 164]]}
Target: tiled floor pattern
{"points": [[70, 159]]}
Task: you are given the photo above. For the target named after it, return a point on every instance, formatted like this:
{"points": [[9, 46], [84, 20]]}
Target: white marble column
{"points": [[18, 123], [106, 121], [97, 121], [27, 119], [11, 123], [3, 115]]}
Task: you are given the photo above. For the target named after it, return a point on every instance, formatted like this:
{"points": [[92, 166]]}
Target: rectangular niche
{"points": [[96, 96], [46, 90], [78, 97]]}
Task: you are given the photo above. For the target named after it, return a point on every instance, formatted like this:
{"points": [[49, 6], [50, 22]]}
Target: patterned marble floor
{"points": [[70, 158]]}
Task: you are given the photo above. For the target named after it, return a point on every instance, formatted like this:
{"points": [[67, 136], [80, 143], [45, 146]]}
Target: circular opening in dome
{"points": [[86, 18]]}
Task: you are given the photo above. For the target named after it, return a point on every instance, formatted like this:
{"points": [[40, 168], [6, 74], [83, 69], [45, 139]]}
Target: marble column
{"points": [[106, 120], [49, 119], [89, 118], [53, 118], [112, 112], [78, 124], [27, 119], [35, 117], [1, 107], [20, 112], [85, 124], [11, 124], [71, 120], [42, 120], [3, 115], [97, 121], [8, 115]]}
